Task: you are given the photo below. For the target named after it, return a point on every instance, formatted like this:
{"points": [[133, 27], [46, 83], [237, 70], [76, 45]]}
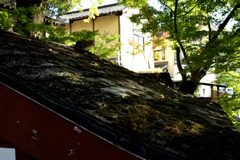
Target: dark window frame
{"points": [[163, 58], [143, 40]]}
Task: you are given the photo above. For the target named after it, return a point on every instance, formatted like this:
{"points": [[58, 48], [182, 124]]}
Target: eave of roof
{"points": [[14, 2], [103, 10], [55, 19], [9, 3]]}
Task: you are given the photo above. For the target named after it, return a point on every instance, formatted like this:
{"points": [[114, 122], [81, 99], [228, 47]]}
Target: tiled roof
{"points": [[107, 9], [56, 18], [134, 112]]}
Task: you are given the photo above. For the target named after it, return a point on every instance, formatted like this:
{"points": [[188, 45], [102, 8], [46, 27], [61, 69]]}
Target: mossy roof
{"points": [[130, 110]]}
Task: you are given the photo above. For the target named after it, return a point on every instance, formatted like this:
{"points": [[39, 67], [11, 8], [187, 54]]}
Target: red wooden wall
{"points": [[37, 131]]}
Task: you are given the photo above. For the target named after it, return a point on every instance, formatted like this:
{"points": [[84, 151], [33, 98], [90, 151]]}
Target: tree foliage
{"points": [[20, 21], [137, 48], [6, 20], [197, 31], [55, 7], [133, 3], [231, 103], [60, 6], [105, 45], [51, 6]]}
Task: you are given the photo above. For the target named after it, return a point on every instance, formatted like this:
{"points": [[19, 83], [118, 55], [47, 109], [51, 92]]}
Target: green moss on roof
{"points": [[130, 103]]}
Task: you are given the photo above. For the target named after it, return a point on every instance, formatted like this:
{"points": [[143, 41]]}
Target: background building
{"points": [[114, 19]]}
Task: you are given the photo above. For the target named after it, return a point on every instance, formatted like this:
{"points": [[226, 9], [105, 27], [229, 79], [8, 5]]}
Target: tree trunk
{"points": [[188, 87], [37, 18]]}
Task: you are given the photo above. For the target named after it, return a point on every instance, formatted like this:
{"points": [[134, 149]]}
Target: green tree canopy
{"points": [[55, 6], [30, 20], [198, 34], [231, 102]]}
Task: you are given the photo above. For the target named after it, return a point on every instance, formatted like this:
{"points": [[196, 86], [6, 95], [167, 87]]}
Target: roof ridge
{"points": [[85, 10], [14, 2]]}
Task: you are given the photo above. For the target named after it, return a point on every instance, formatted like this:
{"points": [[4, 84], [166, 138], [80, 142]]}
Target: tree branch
{"points": [[234, 76], [179, 65], [165, 5], [190, 10], [225, 22], [175, 16], [215, 36], [170, 27], [176, 30], [236, 33], [210, 30]]}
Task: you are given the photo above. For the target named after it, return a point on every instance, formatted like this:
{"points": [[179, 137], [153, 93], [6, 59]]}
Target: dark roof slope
{"points": [[130, 110], [103, 10]]}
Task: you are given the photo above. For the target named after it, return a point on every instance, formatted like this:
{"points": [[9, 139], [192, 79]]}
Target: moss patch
{"points": [[133, 114], [137, 115]]}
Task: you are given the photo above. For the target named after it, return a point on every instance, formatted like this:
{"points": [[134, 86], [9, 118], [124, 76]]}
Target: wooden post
{"points": [[212, 93], [217, 91]]}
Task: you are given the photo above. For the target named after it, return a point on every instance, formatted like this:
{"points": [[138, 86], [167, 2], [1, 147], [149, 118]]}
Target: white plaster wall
{"points": [[204, 91], [209, 78], [169, 57], [143, 61]]}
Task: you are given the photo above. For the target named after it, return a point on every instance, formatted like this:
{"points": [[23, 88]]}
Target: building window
{"points": [[139, 40], [159, 55], [116, 59], [160, 60]]}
